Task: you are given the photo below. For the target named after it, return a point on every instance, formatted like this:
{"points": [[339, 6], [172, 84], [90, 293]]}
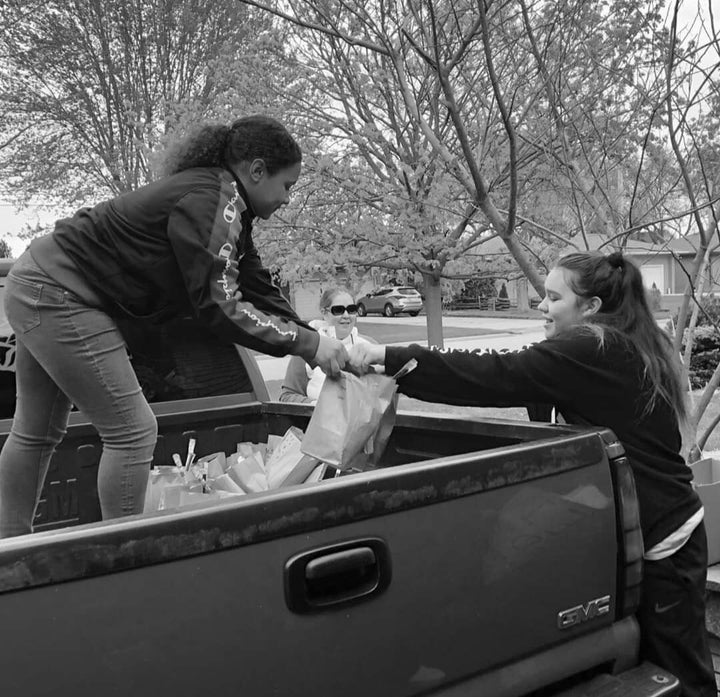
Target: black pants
{"points": [[672, 617]]}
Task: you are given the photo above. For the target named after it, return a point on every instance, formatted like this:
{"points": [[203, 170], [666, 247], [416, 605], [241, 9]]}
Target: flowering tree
{"points": [[89, 90], [548, 124], [442, 123]]}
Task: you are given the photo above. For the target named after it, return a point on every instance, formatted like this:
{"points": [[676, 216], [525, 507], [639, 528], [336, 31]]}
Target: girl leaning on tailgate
{"points": [[179, 246], [604, 362]]}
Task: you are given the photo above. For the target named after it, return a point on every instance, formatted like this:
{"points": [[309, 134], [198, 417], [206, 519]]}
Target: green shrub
{"points": [[705, 355], [706, 343], [502, 303], [711, 316]]}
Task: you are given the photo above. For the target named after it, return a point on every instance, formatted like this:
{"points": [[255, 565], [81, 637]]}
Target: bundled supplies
{"points": [[252, 468], [348, 431]]}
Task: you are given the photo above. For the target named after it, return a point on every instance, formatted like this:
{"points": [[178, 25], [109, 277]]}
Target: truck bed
{"points": [[448, 570]]}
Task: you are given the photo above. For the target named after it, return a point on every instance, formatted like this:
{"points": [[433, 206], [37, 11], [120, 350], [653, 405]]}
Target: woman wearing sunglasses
{"points": [[339, 316]]}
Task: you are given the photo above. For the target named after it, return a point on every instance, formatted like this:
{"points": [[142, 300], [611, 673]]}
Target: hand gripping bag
{"points": [[353, 419]]}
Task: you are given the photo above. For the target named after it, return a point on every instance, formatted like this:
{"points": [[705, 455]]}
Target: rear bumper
{"points": [[645, 680], [601, 663]]}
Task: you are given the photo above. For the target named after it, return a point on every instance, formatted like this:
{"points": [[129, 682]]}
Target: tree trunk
{"points": [[433, 310], [523, 302]]}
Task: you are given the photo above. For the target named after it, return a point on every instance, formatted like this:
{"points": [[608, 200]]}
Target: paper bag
{"points": [[352, 421], [248, 472]]}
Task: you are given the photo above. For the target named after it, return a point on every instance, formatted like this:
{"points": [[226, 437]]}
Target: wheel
{"points": [[414, 313], [389, 310], [361, 310]]}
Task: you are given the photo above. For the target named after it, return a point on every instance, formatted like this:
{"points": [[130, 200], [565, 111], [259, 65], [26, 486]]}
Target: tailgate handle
{"points": [[336, 575]]}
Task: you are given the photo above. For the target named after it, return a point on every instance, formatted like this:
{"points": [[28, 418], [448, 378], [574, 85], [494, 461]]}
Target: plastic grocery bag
{"points": [[353, 419], [161, 477], [171, 487]]}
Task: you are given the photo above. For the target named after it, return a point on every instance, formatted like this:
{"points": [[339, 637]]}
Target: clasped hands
{"points": [[332, 356]]}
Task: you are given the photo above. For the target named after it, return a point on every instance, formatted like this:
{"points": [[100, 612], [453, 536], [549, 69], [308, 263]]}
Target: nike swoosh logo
{"points": [[659, 609]]}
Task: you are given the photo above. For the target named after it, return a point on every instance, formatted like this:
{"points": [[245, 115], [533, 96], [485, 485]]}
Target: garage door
{"points": [[654, 273]]}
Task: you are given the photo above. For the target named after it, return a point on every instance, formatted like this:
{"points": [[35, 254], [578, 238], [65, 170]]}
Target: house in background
{"points": [[661, 263]]}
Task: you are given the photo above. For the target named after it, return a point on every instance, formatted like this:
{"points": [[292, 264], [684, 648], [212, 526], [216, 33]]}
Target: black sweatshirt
{"points": [[589, 384], [181, 245]]}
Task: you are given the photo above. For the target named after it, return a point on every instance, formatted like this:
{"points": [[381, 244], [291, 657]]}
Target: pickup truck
{"points": [[483, 558]]}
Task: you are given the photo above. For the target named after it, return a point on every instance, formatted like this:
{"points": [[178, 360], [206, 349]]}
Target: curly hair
{"points": [[246, 139]]}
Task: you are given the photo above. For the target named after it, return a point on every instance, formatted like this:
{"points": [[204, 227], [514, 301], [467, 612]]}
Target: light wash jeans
{"points": [[70, 353]]}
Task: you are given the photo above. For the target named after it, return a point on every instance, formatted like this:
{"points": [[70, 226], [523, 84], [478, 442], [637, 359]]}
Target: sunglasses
{"points": [[338, 310]]}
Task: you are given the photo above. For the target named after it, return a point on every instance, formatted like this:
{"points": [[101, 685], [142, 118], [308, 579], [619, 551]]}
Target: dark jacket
{"points": [[589, 384], [181, 246]]}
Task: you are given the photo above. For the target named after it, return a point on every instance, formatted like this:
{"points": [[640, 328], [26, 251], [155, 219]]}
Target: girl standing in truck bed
{"points": [[179, 246], [605, 362]]}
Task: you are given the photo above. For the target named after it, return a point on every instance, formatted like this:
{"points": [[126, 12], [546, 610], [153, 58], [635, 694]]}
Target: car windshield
{"points": [[407, 291]]}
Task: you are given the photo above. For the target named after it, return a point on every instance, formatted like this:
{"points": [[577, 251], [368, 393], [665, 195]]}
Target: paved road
{"points": [[460, 332]]}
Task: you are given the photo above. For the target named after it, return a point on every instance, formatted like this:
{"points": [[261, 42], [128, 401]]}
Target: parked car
{"points": [[391, 301]]}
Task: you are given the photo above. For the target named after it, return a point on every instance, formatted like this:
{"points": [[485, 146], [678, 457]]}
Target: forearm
{"points": [[288, 395], [478, 379], [243, 323]]}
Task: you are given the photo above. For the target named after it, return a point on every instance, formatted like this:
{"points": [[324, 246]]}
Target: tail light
{"points": [[629, 535]]}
